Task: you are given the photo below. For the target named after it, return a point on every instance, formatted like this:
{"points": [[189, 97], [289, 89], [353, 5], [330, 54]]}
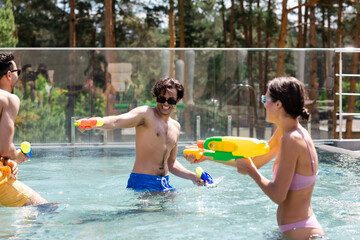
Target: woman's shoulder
{"points": [[292, 138]]}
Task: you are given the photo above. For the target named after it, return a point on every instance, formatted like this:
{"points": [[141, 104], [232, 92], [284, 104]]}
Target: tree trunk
{"points": [[300, 28], [337, 60], [353, 80], [172, 38], [282, 40], [244, 21], [110, 41], [109, 25], [260, 128], [72, 22], [181, 28], [224, 23], [232, 31], [306, 18], [267, 45], [72, 44], [329, 90], [313, 77]]}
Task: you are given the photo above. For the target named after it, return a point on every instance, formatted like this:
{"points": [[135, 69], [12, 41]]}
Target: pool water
{"points": [[94, 203]]}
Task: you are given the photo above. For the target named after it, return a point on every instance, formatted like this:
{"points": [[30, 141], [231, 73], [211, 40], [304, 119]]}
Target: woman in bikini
{"points": [[296, 165]]}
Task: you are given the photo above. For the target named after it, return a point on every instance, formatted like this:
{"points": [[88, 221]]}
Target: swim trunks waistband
{"points": [[151, 183]]}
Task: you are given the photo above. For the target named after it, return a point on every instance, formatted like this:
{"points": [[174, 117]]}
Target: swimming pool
{"points": [[90, 185]]}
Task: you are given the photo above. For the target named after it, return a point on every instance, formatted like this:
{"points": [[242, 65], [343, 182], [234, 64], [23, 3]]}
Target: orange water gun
{"points": [[197, 150], [89, 123]]}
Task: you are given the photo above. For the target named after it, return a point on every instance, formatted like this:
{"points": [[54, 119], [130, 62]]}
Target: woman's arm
{"points": [[274, 144], [277, 190]]}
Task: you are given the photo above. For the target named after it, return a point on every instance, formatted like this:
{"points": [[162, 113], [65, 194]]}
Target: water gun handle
{"points": [[26, 149], [198, 152], [206, 177]]}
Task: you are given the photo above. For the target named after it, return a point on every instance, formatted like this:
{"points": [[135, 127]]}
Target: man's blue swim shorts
{"points": [[151, 183]]}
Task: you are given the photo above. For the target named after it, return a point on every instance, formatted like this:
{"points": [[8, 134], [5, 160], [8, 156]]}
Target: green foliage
{"points": [[41, 24], [83, 106], [40, 123], [7, 26]]}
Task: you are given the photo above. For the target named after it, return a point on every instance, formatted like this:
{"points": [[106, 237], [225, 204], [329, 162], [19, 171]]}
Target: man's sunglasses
{"points": [[170, 101], [14, 70]]}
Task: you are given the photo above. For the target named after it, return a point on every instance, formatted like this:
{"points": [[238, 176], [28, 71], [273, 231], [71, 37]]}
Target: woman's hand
{"points": [[192, 159], [244, 165]]}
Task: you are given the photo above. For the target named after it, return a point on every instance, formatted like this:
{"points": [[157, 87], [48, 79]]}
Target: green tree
{"points": [[7, 26]]}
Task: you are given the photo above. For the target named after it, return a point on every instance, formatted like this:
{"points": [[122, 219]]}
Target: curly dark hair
{"points": [[168, 83], [5, 62]]}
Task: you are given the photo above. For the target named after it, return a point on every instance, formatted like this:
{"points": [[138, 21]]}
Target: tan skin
{"points": [[157, 137], [9, 108], [292, 157]]}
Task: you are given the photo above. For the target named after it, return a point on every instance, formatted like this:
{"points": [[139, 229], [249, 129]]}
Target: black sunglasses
{"points": [[16, 70], [170, 101]]}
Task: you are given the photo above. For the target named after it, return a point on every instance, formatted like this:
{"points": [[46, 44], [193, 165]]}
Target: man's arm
{"points": [[133, 118], [176, 168], [9, 112]]}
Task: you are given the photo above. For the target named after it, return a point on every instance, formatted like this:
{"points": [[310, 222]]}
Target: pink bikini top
{"points": [[301, 181]]}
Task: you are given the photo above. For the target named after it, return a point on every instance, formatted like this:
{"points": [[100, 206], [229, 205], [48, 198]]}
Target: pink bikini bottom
{"points": [[310, 222]]}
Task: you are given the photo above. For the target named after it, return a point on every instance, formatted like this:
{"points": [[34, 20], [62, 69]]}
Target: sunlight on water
{"points": [[94, 203]]}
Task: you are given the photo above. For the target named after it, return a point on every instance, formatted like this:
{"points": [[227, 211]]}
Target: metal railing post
{"points": [[340, 97], [229, 132], [73, 120], [198, 118]]}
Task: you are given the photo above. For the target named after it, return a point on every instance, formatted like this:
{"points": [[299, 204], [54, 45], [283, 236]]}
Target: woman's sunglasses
{"points": [[170, 101], [265, 99]]}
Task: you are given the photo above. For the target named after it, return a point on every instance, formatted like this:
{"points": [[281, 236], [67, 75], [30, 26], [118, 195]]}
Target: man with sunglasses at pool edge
{"points": [[13, 193], [157, 137]]}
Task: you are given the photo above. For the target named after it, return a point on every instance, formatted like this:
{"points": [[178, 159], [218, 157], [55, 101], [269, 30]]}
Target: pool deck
{"points": [[350, 147]]}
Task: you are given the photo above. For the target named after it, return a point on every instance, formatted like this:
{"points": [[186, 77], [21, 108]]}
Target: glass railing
{"points": [[222, 90]]}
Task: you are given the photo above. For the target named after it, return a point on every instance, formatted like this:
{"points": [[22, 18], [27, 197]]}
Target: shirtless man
{"points": [[157, 137], [13, 193]]}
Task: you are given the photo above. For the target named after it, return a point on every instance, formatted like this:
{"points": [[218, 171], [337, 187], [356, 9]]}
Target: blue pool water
{"points": [[94, 203]]}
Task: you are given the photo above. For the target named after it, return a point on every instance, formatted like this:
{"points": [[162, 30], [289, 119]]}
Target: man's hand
{"points": [[20, 157], [198, 181], [13, 166], [82, 127]]}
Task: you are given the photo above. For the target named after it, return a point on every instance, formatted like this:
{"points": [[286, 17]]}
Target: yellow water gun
{"points": [[227, 148]]}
